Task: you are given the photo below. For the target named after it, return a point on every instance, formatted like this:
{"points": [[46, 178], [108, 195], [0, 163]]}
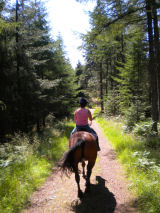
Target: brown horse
{"points": [[83, 147]]}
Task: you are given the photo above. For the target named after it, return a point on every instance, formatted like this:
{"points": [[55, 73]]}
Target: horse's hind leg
{"points": [[77, 178], [89, 172], [83, 167]]}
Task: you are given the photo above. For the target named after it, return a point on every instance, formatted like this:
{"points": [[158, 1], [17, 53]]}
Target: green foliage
{"points": [[116, 50], [134, 114], [111, 103], [132, 79], [153, 143], [36, 78], [96, 113], [19, 180], [2, 105], [81, 78], [141, 162], [144, 129], [95, 47], [27, 161]]}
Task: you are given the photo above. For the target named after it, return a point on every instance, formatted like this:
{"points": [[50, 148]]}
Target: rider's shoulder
{"points": [[89, 111], [77, 110]]}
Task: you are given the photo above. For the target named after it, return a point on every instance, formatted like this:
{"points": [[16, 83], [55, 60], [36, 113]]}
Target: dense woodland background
{"points": [[36, 79], [122, 69], [123, 60]]}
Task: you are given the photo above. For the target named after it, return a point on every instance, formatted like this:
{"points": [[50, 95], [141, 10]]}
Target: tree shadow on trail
{"points": [[98, 200]]}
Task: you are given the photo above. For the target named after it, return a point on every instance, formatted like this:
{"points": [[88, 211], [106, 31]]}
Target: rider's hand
{"points": [[90, 123]]}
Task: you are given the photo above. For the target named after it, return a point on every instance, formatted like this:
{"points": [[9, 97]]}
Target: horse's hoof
{"points": [[84, 177], [87, 190], [80, 194]]}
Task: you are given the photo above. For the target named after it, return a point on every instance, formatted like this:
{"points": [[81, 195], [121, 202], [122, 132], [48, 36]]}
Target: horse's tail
{"points": [[67, 162]]}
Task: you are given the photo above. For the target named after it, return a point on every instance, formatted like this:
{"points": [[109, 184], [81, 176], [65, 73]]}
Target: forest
{"points": [[122, 61], [39, 91], [36, 78]]}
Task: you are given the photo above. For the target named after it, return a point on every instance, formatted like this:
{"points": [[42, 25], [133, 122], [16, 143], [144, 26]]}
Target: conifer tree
{"points": [[35, 76]]}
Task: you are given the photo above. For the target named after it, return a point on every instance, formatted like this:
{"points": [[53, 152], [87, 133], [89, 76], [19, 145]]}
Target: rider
{"points": [[81, 117]]}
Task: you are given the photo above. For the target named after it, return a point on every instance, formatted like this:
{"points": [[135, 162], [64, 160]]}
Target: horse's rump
{"points": [[86, 145], [83, 147]]}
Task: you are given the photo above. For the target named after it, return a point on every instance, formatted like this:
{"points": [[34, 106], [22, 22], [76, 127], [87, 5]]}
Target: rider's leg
{"points": [[98, 147], [73, 131], [96, 136]]}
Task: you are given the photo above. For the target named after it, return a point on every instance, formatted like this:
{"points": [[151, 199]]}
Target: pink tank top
{"points": [[81, 117]]}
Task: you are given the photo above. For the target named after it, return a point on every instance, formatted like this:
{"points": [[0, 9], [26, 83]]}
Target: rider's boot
{"points": [[98, 147]]}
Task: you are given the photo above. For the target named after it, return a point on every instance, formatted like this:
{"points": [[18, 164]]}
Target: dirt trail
{"points": [[109, 189]]}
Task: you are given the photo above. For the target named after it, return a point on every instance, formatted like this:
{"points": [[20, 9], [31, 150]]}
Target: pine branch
{"points": [[129, 12]]}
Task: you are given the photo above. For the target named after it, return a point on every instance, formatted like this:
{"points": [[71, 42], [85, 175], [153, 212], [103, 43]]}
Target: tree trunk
{"points": [[101, 86], [17, 46], [106, 85], [157, 54], [19, 99], [38, 126], [122, 47], [44, 121], [152, 70]]}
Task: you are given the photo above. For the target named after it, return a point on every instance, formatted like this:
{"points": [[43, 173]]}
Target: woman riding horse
{"points": [[83, 147], [81, 117]]}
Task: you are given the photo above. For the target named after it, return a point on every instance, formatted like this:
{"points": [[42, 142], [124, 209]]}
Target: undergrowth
{"points": [[25, 163], [141, 161]]}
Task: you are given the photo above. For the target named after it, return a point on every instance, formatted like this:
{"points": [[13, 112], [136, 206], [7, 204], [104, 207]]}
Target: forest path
{"points": [[109, 188]]}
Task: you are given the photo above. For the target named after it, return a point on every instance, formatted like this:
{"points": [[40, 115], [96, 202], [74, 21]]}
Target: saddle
{"points": [[85, 130], [80, 129]]}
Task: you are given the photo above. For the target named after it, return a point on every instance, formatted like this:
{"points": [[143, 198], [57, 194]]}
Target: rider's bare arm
{"points": [[90, 117], [75, 116]]}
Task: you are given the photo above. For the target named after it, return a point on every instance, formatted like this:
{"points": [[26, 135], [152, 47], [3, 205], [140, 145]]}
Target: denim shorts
{"points": [[88, 129]]}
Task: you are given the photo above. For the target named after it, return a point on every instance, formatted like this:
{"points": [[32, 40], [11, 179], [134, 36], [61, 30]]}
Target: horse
{"points": [[83, 147]]}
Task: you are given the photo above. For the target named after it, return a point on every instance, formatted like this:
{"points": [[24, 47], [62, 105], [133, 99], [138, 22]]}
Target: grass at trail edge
{"points": [[141, 165], [26, 162]]}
